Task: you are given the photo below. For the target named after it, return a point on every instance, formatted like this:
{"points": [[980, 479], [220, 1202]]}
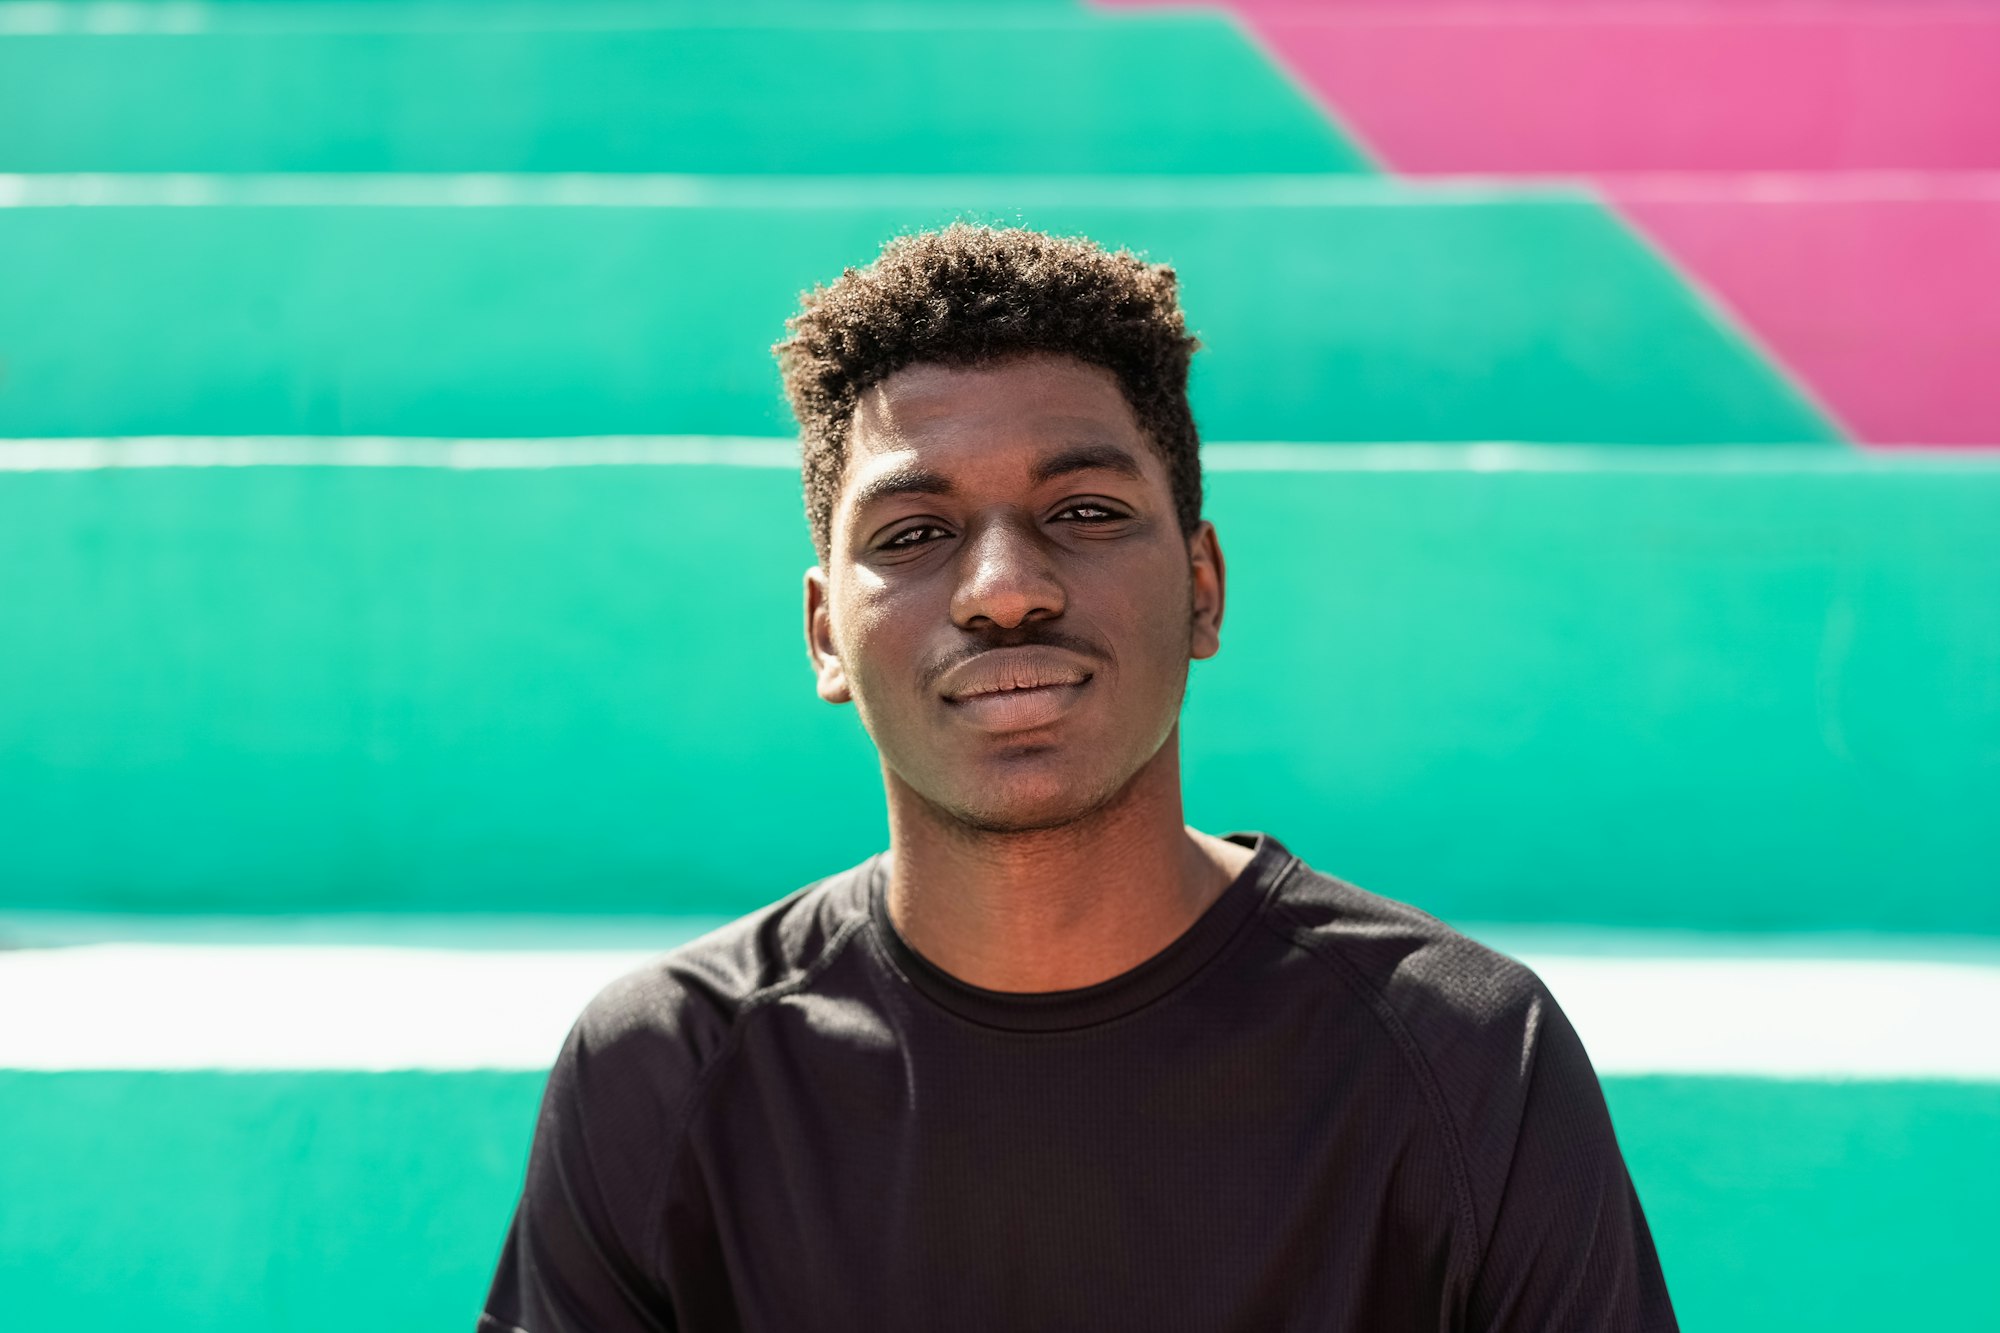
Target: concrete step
{"points": [[237, 1202], [1874, 290], [1813, 85], [1047, 91], [1825, 168], [1734, 688], [454, 306]]}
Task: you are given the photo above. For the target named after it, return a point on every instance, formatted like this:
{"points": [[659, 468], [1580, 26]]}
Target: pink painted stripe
{"points": [[1885, 306], [1591, 91], [1876, 290], [1540, 10]]}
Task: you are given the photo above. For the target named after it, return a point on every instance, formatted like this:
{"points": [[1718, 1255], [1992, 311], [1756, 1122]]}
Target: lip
{"points": [[1018, 710], [1015, 689], [1001, 670]]}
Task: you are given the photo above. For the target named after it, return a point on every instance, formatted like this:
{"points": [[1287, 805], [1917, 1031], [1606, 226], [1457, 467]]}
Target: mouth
{"points": [[1016, 689], [1023, 709]]}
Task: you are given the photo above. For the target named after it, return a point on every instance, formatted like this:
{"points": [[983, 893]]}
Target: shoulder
{"points": [[609, 1132], [1469, 1022], [1438, 983], [661, 1025]]}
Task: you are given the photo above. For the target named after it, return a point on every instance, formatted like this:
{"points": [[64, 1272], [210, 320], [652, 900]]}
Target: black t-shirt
{"points": [[1317, 1109]]}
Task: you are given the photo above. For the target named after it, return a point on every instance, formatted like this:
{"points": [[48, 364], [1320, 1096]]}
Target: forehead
{"points": [[990, 416]]}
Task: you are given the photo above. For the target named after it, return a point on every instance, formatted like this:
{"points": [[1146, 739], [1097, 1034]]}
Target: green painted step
{"points": [[1054, 92], [294, 1203], [1364, 311], [1712, 689]]}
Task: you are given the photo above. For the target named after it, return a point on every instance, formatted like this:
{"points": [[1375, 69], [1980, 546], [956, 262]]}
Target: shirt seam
{"points": [[1541, 999], [753, 1004], [1298, 934]]}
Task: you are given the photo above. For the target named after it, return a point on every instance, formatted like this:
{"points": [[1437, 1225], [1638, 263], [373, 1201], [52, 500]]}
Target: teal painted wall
{"points": [[1641, 693], [256, 1203], [293, 1203], [1634, 693], [1817, 1206], [886, 91], [1377, 313]]}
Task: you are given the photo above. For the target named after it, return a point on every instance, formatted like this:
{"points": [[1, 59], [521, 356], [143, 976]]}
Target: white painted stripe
{"points": [[178, 451], [966, 196], [1516, 456], [118, 18], [121, 18], [539, 932], [1781, 1017], [112, 18], [378, 451], [155, 1006], [1627, 13], [1795, 187]]}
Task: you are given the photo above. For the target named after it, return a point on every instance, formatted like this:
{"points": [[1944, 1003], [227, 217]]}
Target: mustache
{"points": [[1024, 636]]}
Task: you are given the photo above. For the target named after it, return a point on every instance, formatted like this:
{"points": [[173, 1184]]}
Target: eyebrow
{"points": [[1076, 458], [1086, 458]]}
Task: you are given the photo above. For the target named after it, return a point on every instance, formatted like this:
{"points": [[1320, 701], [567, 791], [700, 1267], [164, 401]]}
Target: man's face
{"points": [[1008, 598]]}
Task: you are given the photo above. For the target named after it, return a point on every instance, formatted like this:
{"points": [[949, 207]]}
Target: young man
{"points": [[1054, 1059]]}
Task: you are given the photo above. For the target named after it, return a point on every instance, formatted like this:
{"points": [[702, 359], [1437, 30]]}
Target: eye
{"points": [[1090, 511], [910, 537]]}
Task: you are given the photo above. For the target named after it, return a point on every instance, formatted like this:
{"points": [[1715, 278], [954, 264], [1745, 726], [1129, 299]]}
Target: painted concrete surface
{"points": [[1734, 687], [887, 91], [1365, 310], [334, 1154], [1881, 294], [1791, 656], [1869, 288], [377, 1008], [1509, 88], [290, 1202]]}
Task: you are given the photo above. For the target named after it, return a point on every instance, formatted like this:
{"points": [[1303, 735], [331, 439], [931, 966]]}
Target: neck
{"points": [[1057, 908]]}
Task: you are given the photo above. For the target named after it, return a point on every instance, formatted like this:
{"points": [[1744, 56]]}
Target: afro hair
{"points": [[970, 294]]}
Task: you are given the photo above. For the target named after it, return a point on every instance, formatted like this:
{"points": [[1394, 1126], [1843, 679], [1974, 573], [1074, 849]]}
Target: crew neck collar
{"points": [[1129, 991]]}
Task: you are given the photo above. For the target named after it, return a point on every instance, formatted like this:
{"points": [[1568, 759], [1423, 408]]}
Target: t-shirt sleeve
{"points": [[1570, 1251], [580, 1253]]}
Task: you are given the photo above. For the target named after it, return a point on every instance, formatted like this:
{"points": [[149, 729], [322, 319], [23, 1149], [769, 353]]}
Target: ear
{"points": [[819, 639], [1206, 573]]}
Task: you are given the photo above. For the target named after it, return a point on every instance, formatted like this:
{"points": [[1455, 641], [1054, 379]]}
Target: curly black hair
{"points": [[969, 294]]}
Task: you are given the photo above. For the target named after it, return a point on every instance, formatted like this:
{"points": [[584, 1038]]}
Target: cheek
{"points": [[877, 640], [1153, 639], [1167, 611]]}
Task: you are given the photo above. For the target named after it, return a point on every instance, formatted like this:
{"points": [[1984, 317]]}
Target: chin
{"points": [[1027, 804], [1018, 820]]}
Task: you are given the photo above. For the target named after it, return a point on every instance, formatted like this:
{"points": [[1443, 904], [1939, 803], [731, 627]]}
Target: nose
{"points": [[1005, 577]]}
